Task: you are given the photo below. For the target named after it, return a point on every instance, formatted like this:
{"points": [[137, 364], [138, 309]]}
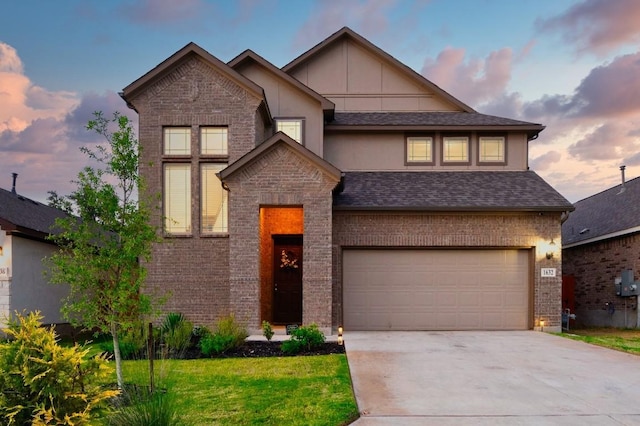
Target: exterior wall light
{"points": [[340, 339], [551, 249], [541, 325]]}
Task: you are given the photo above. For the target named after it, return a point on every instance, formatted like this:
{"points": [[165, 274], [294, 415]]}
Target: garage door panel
{"points": [[436, 289]]}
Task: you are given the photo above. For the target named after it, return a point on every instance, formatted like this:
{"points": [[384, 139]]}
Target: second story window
{"points": [[419, 150], [455, 149], [177, 141], [491, 149], [292, 127], [213, 141]]}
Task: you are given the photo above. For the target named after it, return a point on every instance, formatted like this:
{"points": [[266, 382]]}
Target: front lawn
{"points": [[303, 390], [625, 340]]}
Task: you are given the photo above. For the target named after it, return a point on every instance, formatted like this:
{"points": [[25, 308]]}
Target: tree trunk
{"points": [[116, 354]]}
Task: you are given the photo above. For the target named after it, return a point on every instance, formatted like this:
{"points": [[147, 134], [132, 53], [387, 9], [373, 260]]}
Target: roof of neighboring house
{"points": [[346, 32], [22, 215], [449, 191], [608, 214]]}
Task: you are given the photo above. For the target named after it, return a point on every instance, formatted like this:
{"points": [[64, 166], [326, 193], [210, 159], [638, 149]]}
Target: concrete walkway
{"points": [[490, 378]]}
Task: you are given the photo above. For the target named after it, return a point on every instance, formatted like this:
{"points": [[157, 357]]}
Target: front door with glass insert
{"points": [[287, 279]]}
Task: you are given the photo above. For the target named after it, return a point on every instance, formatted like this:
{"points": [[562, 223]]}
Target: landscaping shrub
{"points": [[305, 338], [44, 383], [176, 333], [267, 330], [139, 408], [133, 343], [227, 334]]}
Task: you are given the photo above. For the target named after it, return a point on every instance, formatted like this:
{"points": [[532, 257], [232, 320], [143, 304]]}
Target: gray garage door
{"points": [[436, 289]]}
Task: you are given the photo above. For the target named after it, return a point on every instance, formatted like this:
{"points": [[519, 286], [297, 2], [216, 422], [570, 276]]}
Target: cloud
{"points": [[473, 81], [609, 141], [597, 25], [545, 161], [153, 12], [367, 17]]}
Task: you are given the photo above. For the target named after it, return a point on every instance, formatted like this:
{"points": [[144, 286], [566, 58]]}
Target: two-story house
{"points": [[342, 189]]}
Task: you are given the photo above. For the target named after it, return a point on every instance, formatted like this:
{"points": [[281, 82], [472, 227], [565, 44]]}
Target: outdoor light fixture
{"points": [[541, 325], [551, 249], [340, 339], [1, 251]]}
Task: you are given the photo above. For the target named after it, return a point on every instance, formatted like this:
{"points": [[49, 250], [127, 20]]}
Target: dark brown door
{"points": [[287, 279]]}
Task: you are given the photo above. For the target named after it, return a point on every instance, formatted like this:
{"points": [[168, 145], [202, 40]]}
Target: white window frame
{"points": [[298, 136]]}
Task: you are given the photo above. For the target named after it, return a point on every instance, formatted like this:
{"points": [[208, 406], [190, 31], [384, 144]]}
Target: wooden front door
{"points": [[287, 279]]}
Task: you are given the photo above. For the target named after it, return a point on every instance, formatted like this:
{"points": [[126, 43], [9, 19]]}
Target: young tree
{"points": [[105, 237]]}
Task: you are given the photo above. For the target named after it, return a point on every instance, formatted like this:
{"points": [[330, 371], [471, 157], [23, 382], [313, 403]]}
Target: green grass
{"points": [[306, 390], [625, 340]]}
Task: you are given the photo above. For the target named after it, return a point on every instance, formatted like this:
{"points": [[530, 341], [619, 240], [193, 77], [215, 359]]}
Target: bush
{"points": [[139, 408], [133, 343], [267, 330], [305, 338], [44, 383], [228, 334], [177, 333]]}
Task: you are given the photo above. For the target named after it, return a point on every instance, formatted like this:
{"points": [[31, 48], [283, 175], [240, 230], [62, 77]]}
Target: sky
{"points": [[571, 65]]}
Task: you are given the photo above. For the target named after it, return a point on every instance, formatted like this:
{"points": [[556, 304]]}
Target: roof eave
{"points": [[355, 127], [456, 209]]}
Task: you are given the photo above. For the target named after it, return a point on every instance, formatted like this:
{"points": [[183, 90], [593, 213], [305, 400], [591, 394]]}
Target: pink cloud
{"points": [[597, 25], [473, 81], [545, 161]]}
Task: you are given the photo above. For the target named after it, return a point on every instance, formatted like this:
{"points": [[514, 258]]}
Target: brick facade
{"points": [[402, 230], [595, 267]]}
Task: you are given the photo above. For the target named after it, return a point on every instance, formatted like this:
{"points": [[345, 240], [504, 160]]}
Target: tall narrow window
{"points": [[177, 198], [455, 149], [420, 149], [491, 149], [177, 141], [213, 141], [291, 127], [213, 198]]}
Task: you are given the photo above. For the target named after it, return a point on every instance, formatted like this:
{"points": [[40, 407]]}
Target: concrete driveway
{"points": [[490, 378]]}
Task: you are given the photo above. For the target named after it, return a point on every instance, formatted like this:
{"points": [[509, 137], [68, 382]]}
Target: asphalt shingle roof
{"points": [[607, 212], [26, 214], [435, 118], [449, 191]]}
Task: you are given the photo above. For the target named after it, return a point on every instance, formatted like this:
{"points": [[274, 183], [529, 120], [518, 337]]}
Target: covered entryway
{"points": [[436, 289]]}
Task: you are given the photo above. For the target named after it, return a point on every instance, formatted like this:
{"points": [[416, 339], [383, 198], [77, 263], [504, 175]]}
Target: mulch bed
{"points": [[256, 349]]}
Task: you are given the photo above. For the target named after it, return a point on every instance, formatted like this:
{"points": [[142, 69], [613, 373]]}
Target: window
{"points": [[177, 141], [213, 141], [291, 127], [491, 149], [420, 149], [177, 198], [455, 149], [213, 198]]}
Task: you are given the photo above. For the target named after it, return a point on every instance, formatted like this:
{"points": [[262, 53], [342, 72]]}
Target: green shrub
{"points": [[44, 383], [133, 343], [304, 338], [267, 330], [139, 408], [176, 333], [228, 334]]}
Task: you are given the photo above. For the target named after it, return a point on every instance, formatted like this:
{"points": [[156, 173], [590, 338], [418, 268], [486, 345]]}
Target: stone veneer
{"points": [[456, 230], [595, 267]]}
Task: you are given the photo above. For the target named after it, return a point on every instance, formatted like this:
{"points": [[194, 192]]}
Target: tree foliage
{"points": [[105, 236]]}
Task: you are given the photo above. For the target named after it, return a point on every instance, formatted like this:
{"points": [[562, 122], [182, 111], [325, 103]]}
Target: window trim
{"points": [[302, 127], [407, 137], [442, 150], [163, 146], [203, 233], [492, 163]]}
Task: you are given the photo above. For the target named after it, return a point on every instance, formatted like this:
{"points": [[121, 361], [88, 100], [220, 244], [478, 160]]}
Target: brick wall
{"points": [[193, 271], [595, 267], [369, 229]]}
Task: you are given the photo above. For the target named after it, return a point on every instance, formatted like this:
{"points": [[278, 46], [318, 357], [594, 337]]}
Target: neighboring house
{"points": [[600, 239], [342, 189], [24, 227]]}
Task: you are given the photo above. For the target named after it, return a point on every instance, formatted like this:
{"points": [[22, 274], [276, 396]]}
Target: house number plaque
{"points": [[548, 272], [4, 272]]}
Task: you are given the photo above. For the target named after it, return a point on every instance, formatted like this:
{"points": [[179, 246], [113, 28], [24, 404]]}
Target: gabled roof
{"points": [[191, 49], [510, 191], [250, 56], [21, 215], [435, 120], [610, 213], [280, 138], [346, 32]]}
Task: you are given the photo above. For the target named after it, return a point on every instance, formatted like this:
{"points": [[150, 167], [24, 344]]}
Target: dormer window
{"points": [[292, 127]]}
